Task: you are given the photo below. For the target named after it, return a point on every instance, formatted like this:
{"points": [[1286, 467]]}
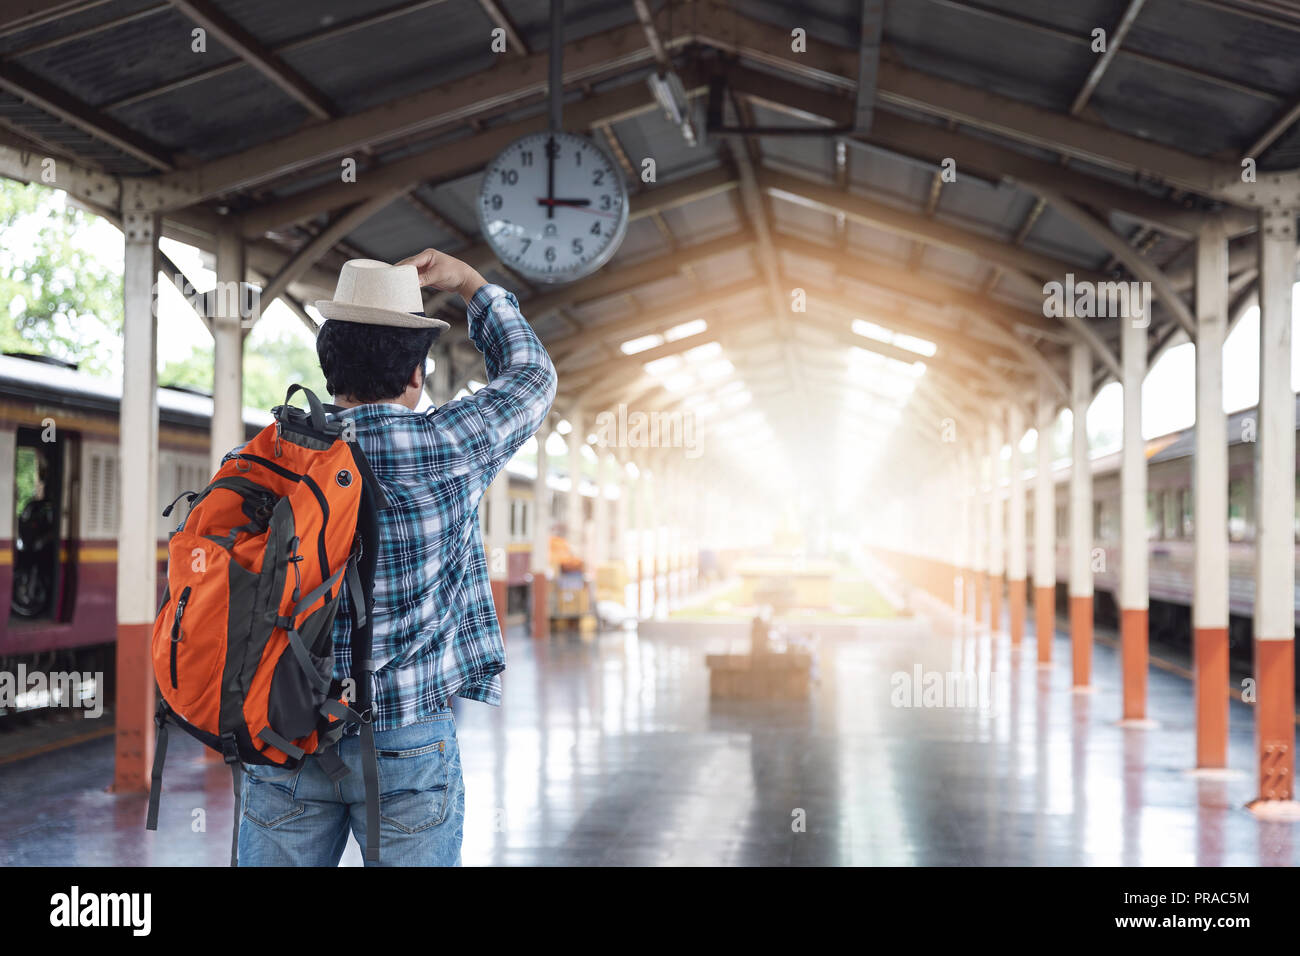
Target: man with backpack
{"points": [[434, 633]]}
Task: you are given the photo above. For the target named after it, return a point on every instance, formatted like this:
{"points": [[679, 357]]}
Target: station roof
{"points": [[1066, 160]]}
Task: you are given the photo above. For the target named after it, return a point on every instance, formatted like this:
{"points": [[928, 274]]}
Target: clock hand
{"points": [[578, 204]]}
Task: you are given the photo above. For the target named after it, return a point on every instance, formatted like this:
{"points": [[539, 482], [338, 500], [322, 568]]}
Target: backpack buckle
{"points": [[278, 426], [229, 748]]}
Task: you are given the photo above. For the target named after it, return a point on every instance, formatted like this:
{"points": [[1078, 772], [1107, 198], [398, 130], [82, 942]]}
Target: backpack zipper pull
{"points": [[177, 635]]}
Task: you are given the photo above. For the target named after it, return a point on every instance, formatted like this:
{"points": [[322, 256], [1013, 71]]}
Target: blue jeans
{"points": [[301, 818]]}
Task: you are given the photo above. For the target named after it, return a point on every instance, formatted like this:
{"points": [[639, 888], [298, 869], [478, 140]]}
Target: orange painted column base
{"points": [[1210, 664], [1045, 621], [499, 603], [1081, 639], [1016, 597], [995, 603], [1275, 717], [133, 753], [1133, 655], [541, 607]]}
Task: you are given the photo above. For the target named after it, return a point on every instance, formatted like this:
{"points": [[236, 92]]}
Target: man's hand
{"points": [[445, 273]]}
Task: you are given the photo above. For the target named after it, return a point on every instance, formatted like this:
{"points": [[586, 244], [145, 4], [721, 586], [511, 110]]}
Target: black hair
{"points": [[371, 363]]}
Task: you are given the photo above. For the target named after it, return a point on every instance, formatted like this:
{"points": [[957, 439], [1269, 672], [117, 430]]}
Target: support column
{"points": [[1210, 487], [655, 488], [137, 540], [961, 586], [644, 601], [1016, 549], [1133, 590], [997, 547], [600, 513], [573, 516], [1045, 526], [541, 550], [1080, 517], [979, 550], [1275, 512], [498, 543], [227, 428], [621, 517]]}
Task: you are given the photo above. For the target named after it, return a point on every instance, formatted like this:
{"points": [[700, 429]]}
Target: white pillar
{"points": [[965, 535], [137, 541], [1080, 516], [227, 427], [573, 517], [1276, 511], [979, 502], [621, 518], [541, 530], [997, 544], [1133, 590], [498, 542], [1210, 488], [1044, 524], [1016, 548]]}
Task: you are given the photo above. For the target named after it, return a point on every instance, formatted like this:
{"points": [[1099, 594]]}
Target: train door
{"points": [[40, 512]]}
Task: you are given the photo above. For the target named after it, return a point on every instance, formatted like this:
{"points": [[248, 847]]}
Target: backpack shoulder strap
{"points": [[361, 592]]}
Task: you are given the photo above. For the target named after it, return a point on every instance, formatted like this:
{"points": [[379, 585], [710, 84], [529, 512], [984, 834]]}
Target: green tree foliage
{"points": [[56, 297], [271, 365]]}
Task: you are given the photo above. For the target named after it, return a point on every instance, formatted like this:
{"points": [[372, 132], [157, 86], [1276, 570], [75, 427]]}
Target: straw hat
{"points": [[374, 293]]}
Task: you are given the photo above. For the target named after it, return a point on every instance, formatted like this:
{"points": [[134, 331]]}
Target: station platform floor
{"points": [[611, 752]]}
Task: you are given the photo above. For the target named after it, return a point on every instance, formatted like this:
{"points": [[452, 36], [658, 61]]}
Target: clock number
{"points": [[527, 242], [604, 201], [496, 201], [577, 247], [550, 253], [578, 157], [598, 177], [526, 157], [509, 177], [595, 229]]}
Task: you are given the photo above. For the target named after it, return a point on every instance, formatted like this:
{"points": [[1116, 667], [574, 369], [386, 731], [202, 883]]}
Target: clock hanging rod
{"points": [[557, 66]]}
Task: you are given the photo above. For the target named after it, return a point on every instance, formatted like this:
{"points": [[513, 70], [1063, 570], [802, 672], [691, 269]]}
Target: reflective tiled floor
{"points": [[611, 753]]}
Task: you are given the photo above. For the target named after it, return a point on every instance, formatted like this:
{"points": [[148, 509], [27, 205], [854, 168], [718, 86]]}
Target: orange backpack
{"points": [[243, 647]]}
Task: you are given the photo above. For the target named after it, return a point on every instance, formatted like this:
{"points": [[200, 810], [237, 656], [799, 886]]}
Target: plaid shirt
{"points": [[435, 628]]}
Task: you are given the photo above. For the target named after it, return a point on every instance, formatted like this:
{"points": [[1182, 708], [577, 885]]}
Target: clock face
{"points": [[553, 213]]}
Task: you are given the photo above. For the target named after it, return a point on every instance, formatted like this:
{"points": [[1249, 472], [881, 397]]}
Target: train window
{"points": [[1188, 505], [1240, 524], [1101, 521], [1155, 514], [38, 516], [1171, 517]]}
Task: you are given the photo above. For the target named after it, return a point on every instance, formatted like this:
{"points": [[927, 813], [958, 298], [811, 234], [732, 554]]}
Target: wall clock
{"points": [[553, 207]]}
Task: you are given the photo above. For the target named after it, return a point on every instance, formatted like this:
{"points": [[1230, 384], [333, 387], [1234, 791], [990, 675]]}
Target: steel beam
{"points": [[249, 49]]}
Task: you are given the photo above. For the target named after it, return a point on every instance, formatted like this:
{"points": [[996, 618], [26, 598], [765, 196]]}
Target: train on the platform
{"points": [[1170, 527], [60, 478]]}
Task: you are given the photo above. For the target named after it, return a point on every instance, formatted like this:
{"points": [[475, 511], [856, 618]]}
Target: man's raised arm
{"points": [[521, 377]]}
